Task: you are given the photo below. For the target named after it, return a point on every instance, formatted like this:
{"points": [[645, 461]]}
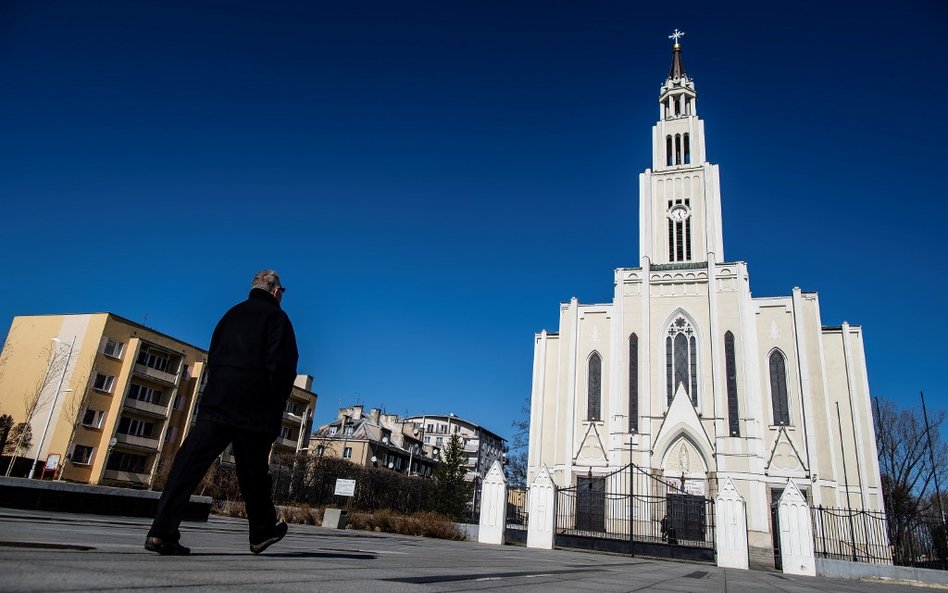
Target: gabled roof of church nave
{"points": [[682, 419]]}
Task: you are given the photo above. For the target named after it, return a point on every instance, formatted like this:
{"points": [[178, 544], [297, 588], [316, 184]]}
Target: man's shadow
{"points": [[341, 555]]}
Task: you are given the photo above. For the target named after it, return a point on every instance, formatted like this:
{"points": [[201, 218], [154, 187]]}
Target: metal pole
{"points": [[26, 422], [52, 408], [842, 448], [631, 502]]}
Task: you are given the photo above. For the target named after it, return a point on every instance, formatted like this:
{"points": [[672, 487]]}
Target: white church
{"points": [[687, 375]]}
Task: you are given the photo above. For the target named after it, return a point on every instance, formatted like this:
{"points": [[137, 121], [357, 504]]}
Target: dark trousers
{"points": [[206, 441]]}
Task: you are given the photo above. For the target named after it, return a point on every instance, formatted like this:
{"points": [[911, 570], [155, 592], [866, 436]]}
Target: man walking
{"points": [[251, 369]]}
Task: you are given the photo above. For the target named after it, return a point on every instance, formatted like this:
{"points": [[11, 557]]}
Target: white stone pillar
{"points": [[730, 536], [796, 532], [541, 521], [493, 506]]}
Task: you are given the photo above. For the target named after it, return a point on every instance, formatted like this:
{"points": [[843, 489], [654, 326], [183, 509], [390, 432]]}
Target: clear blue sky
{"points": [[433, 178]]}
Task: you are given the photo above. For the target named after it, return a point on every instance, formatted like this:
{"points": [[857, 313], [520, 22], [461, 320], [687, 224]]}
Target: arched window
{"points": [[677, 149], [778, 388], [730, 370], [681, 360], [633, 383], [687, 150], [668, 150], [594, 388]]}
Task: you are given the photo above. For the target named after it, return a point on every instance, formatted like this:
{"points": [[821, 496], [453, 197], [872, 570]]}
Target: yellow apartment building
{"points": [[108, 400]]}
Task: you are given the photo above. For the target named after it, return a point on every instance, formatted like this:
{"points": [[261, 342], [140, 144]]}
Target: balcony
{"points": [[136, 441], [282, 442], [297, 420], [146, 408], [128, 477], [155, 374]]}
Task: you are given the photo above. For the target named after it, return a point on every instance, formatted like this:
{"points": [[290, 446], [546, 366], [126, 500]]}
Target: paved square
{"points": [[51, 552]]}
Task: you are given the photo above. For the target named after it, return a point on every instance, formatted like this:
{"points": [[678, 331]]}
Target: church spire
{"points": [[677, 69]]}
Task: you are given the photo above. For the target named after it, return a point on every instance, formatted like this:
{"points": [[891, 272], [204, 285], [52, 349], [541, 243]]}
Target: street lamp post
{"points": [[52, 407]]}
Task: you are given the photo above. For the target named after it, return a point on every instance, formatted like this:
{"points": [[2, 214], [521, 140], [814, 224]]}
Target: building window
{"points": [[594, 388], [633, 383], [286, 432], [93, 418], [733, 421], [320, 450], [290, 408], [103, 382], [126, 462], [171, 433], [81, 455], [332, 430], [681, 360], [177, 401], [154, 359], [668, 151], [687, 150], [778, 388], [346, 453], [113, 349], [135, 427], [149, 395]]}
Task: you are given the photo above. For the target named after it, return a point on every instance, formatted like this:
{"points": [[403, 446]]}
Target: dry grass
{"points": [[385, 520], [424, 524]]}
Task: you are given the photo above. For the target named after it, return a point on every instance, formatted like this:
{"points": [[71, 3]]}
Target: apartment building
{"points": [[480, 446], [375, 439], [113, 398]]}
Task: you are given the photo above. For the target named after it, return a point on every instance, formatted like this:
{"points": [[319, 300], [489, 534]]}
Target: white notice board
{"points": [[345, 487]]}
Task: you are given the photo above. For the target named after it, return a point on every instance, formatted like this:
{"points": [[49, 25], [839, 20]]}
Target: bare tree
{"points": [[908, 473], [38, 395], [517, 454], [74, 411]]}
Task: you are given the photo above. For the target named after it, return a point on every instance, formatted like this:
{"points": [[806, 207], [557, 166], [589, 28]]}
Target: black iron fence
{"points": [[517, 508], [871, 536], [633, 505]]}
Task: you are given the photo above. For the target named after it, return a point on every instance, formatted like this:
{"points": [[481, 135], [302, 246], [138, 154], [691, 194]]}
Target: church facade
{"points": [[689, 376]]}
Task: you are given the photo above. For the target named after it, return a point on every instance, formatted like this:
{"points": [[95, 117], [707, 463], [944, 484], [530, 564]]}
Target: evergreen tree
{"points": [[452, 493]]}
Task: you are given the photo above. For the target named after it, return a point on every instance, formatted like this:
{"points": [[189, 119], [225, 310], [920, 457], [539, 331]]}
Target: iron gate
{"points": [[516, 525], [630, 511]]}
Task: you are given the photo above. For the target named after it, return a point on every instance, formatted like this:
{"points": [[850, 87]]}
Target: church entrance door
{"points": [[591, 504]]}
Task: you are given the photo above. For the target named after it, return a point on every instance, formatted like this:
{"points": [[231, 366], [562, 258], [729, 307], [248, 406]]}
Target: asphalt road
{"points": [[52, 552]]}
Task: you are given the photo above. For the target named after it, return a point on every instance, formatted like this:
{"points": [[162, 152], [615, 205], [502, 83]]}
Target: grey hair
{"points": [[267, 280]]}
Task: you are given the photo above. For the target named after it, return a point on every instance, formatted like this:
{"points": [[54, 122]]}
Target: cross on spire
{"points": [[676, 36]]}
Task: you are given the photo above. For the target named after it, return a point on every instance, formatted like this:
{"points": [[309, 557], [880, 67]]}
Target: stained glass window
{"points": [[594, 390], [733, 424], [681, 360], [778, 388], [633, 383]]}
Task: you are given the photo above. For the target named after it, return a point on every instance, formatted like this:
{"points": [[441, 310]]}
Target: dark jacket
{"points": [[251, 366]]}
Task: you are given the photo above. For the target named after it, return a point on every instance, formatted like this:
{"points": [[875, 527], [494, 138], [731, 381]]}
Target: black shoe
{"points": [[279, 530], [165, 548]]}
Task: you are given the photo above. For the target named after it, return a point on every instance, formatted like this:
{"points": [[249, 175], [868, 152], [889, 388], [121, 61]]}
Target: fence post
{"points": [[822, 531], [493, 520], [541, 515], [730, 531], [631, 503], [796, 532]]}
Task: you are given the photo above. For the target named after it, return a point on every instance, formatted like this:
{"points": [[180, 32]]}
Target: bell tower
{"points": [[679, 196]]}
